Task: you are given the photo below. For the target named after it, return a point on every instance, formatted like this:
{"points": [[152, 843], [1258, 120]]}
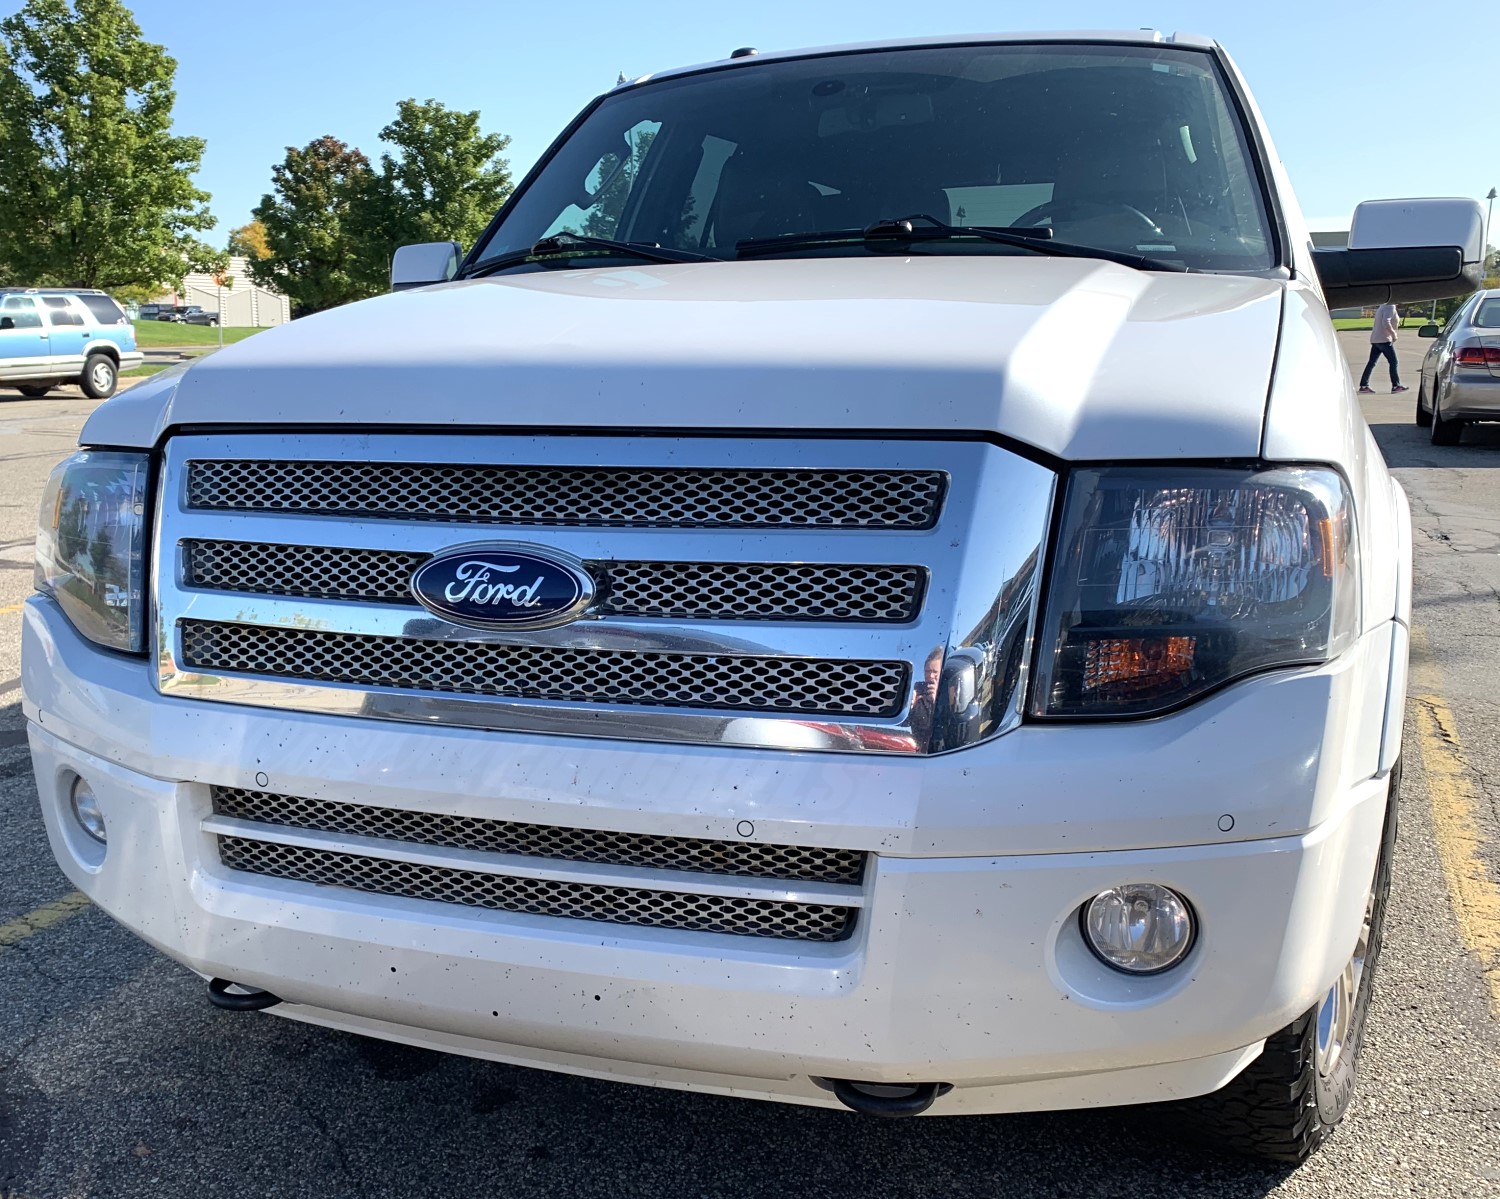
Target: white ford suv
{"points": [[868, 585]]}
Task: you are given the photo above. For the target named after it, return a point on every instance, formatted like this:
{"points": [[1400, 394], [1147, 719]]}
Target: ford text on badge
{"points": [[503, 587]]}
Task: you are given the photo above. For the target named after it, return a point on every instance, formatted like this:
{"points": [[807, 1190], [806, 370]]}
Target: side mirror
{"points": [[1402, 251], [1429, 331], [7, 322], [424, 264]]}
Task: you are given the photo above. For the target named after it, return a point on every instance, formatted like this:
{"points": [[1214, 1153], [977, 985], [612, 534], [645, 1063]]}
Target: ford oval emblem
{"points": [[502, 586]]}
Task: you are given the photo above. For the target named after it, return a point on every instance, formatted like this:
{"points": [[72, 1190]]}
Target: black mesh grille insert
{"points": [[682, 590], [543, 840], [555, 495], [542, 897], [805, 685]]}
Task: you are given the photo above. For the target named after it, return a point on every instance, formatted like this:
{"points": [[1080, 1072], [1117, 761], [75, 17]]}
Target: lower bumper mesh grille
{"points": [[557, 842], [807, 685], [542, 897]]}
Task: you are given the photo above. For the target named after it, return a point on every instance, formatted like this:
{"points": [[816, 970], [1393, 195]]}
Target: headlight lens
{"points": [[90, 545], [1170, 582]]}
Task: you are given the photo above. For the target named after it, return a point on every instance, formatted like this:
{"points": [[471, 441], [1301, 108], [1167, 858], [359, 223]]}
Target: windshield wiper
{"points": [[569, 245], [905, 229]]}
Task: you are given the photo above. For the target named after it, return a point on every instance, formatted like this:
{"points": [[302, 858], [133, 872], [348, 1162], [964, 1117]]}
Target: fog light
{"points": [[86, 810], [1139, 928]]}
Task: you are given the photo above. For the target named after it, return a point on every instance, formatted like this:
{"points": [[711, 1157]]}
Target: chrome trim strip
{"points": [[968, 648], [791, 545], [681, 882], [790, 639]]}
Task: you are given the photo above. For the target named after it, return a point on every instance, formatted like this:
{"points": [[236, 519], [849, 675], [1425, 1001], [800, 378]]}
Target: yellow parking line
{"points": [[43, 917], [1474, 894], [12, 608]]}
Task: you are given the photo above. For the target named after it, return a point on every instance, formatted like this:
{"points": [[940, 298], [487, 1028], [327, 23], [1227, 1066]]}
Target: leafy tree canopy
{"points": [[442, 180], [250, 241], [97, 191], [309, 230], [333, 221]]}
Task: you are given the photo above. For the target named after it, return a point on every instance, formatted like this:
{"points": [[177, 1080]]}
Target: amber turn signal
{"points": [[1121, 666]]}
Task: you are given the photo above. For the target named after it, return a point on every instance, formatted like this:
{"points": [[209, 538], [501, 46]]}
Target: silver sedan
{"points": [[1461, 372]]}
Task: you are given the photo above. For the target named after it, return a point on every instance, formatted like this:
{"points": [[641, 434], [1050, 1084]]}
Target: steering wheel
{"points": [[1052, 209]]}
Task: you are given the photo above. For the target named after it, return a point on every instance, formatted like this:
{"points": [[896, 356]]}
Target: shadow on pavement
{"points": [[198, 1097], [380, 1118], [1408, 446]]}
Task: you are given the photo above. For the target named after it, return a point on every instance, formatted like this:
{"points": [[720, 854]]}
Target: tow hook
{"points": [[246, 999], [887, 1099]]}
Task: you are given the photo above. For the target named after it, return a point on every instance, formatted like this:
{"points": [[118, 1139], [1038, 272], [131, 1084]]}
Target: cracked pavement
{"points": [[118, 1079]]}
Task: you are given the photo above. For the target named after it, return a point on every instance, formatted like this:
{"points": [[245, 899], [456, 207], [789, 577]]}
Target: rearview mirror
{"points": [[1429, 331], [7, 322], [424, 264], [1401, 251]]}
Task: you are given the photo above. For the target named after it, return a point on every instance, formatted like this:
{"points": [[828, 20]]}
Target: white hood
{"points": [[1077, 358]]}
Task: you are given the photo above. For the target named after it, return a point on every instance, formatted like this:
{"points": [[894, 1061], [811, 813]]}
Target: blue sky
{"points": [[1364, 100]]}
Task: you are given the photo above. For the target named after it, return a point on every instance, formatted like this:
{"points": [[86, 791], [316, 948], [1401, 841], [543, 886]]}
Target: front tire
{"points": [[1444, 432], [34, 391], [100, 377], [1288, 1101]]}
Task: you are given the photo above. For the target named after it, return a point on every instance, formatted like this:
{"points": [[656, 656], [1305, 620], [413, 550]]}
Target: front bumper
{"points": [[966, 967]]}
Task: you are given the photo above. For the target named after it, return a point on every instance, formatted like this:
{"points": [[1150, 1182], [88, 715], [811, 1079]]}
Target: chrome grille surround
{"points": [[819, 686], [743, 858], [684, 590], [737, 915], [551, 495], [964, 650]]}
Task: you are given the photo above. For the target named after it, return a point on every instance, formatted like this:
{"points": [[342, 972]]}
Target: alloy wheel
{"points": [[1335, 1020]]}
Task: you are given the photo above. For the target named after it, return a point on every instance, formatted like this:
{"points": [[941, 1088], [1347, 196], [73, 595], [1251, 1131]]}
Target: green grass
{"points": [[141, 371], [1359, 322], [170, 333]]}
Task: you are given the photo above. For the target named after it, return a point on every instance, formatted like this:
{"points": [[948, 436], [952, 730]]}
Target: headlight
{"points": [[90, 546], [1170, 582]]}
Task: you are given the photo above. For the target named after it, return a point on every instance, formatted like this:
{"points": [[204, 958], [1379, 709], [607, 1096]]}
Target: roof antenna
{"points": [[744, 52]]}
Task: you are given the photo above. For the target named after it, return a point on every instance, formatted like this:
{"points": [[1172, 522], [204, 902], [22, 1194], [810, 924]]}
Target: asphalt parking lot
{"points": [[118, 1079]]}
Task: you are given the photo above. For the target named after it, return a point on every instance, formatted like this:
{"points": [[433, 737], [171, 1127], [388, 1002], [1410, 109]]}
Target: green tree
{"points": [[250, 241], [442, 180], [309, 226], [97, 190]]}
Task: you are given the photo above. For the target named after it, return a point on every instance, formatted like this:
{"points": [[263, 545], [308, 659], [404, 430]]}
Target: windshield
{"points": [[1131, 149]]}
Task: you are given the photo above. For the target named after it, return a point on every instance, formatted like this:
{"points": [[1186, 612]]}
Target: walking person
{"points": [[1383, 345]]}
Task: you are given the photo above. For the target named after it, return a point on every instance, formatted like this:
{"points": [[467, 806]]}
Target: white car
{"points": [[868, 586]]}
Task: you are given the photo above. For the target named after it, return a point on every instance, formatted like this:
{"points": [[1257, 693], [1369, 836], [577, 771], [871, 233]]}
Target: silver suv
{"points": [[51, 336]]}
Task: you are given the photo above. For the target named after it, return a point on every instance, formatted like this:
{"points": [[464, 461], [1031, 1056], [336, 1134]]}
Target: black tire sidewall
{"points": [[1444, 431], [1334, 1091], [87, 379]]}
